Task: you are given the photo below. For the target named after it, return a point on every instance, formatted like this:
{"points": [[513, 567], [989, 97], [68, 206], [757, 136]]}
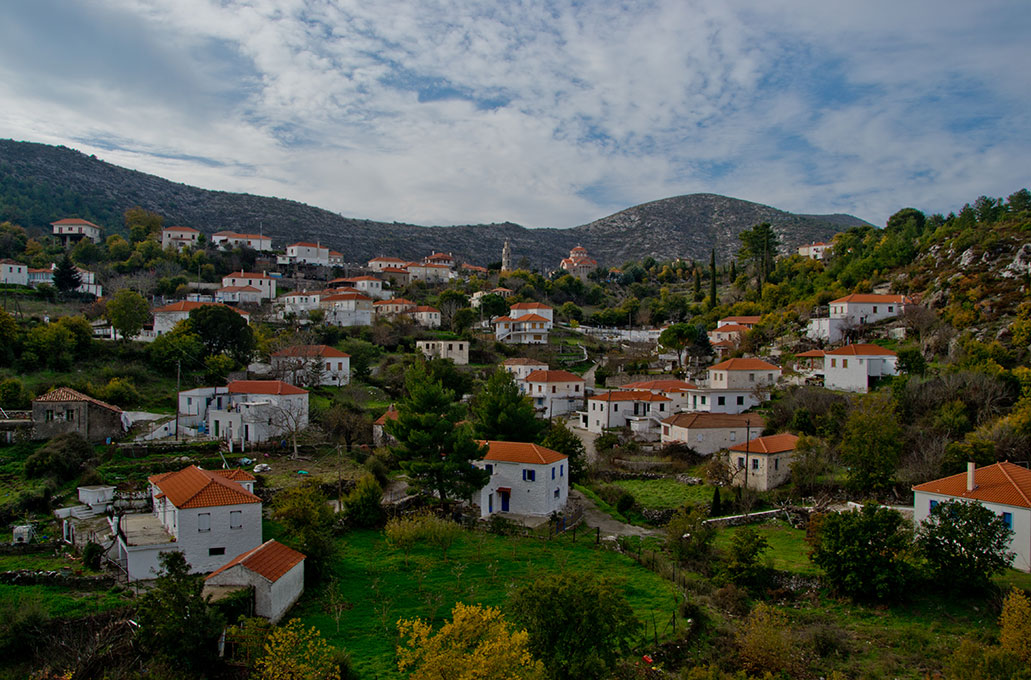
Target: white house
{"points": [[520, 367], [179, 237], [378, 264], [426, 316], [640, 410], [303, 252], [263, 282], [455, 350], [555, 393], [1003, 488], [855, 310], [312, 364], [762, 463], [347, 309], [298, 303], [232, 239], [525, 479], [474, 301], [165, 318], [677, 391], [731, 332], [379, 435], [87, 279], [238, 295], [526, 323], [208, 515], [734, 386], [853, 368], [14, 273], [523, 308], [815, 250], [393, 307], [367, 285], [749, 322], [429, 273], [258, 411], [707, 433], [72, 230], [276, 573], [446, 259]]}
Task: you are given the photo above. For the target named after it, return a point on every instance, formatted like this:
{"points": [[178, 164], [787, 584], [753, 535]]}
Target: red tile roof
{"points": [[386, 259], [186, 229], [246, 275], [68, 394], [742, 319], [731, 328], [234, 234], [427, 310], [263, 387], [873, 298], [192, 487], [635, 395], [390, 414], [522, 361], [310, 351], [351, 295], [75, 220], [553, 376], [862, 350], [238, 289], [774, 443], [744, 365], [271, 560], [705, 421], [520, 452], [1003, 483], [530, 305], [811, 354], [187, 306]]}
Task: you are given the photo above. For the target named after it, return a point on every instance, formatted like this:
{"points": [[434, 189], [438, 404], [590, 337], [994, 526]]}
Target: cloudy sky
{"points": [[543, 113]]}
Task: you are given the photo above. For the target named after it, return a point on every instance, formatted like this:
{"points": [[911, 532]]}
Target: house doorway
{"points": [[504, 495]]}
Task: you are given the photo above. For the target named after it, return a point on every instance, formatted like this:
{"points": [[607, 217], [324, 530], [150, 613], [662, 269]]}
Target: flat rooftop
{"points": [[144, 529]]}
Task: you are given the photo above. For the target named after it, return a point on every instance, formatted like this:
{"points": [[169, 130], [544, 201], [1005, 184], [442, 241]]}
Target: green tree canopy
{"points": [[66, 276], [685, 337], [579, 622], [560, 438], [872, 444], [127, 312], [142, 224], [222, 331], [493, 305], [502, 412], [965, 543], [863, 553], [759, 246], [432, 446]]}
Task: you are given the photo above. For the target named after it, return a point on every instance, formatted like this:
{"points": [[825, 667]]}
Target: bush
{"points": [[765, 644], [120, 392], [21, 617], [378, 469], [62, 458], [364, 505], [732, 599], [13, 394], [625, 503], [91, 555]]}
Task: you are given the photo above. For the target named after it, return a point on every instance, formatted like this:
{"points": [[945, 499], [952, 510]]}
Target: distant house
{"points": [[854, 368], [231, 239], [455, 350], [677, 391], [446, 259], [1003, 488], [734, 386], [165, 318], [14, 273], [64, 410], [307, 365], [379, 435], [748, 322], [810, 363], [474, 301], [732, 332], [87, 279], [426, 316], [297, 303], [520, 367], [336, 258], [394, 307], [304, 252], [347, 309], [274, 571], [555, 393], [235, 295], [763, 463], [367, 285], [257, 411], [378, 264], [427, 272], [525, 479], [640, 410], [208, 515], [263, 282], [179, 237], [855, 310], [526, 323], [707, 433], [72, 230], [815, 251]]}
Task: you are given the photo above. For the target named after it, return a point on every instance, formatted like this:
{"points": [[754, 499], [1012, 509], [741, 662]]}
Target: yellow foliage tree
{"points": [[476, 644], [296, 652], [764, 642], [1014, 624]]}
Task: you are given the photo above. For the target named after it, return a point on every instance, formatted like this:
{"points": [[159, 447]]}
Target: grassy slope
{"points": [[480, 568], [661, 494]]}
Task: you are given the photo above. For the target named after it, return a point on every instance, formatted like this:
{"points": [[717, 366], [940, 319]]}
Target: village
{"points": [[395, 391]]}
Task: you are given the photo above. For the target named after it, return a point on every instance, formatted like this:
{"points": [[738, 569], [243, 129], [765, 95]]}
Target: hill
{"points": [[41, 183]]}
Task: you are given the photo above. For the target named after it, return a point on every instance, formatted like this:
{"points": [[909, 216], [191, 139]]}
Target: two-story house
{"points": [[525, 479], [225, 240], [210, 516], [677, 391], [165, 318], [14, 273], [853, 368], [71, 230], [366, 285], [258, 411], [64, 410], [347, 309], [265, 284], [855, 310], [310, 365], [455, 350], [179, 237], [707, 433], [304, 252], [642, 411], [734, 386], [520, 367], [762, 463], [554, 393]]}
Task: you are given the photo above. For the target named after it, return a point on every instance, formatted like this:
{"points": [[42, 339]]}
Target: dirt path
{"points": [[595, 518]]}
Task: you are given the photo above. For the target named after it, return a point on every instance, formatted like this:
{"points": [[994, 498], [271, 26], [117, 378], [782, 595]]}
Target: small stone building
{"points": [[64, 410], [276, 573]]}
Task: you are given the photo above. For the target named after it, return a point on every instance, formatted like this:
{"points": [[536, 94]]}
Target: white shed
{"points": [[275, 571]]}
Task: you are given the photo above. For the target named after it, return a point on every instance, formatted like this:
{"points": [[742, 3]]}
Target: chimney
{"points": [[970, 476]]}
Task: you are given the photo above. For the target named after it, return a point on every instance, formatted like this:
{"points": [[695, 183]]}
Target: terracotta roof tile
{"points": [[664, 385], [1003, 483], [263, 387], [310, 351], [774, 443], [390, 414], [530, 305], [744, 365], [68, 394], [707, 421], [873, 298], [742, 319], [633, 395], [270, 560], [730, 328], [862, 350], [553, 376], [192, 487], [75, 220], [521, 452]]}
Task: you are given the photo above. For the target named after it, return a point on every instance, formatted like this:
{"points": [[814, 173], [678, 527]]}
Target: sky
{"points": [[541, 113]]}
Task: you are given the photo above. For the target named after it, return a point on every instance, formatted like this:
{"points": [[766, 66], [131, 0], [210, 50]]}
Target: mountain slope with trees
{"points": [[41, 183]]}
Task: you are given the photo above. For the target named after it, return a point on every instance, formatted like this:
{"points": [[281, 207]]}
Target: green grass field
{"points": [[60, 602], [666, 494], [788, 550], [481, 568]]}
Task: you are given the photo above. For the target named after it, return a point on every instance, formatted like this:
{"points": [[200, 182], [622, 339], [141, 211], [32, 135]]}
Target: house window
{"points": [[755, 463], [615, 407], [721, 401], [844, 363], [236, 519], [489, 468], [561, 470], [50, 414], [834, 363], [556, 492], [1007, 519], [576, 388], [189, 401], [204, 522], [733, 436], [69, 414], [740, 401], [703, 401], [700, 437], [890, 309], [529, 475], [740, 463], [553, 472], [553, 388], [776, 463], [751, 377], [216, 551], [933, 505]]}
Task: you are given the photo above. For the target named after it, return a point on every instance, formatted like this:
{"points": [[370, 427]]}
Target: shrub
{"points": [[765, 644], [21, 617], [13, 394], [625, 503], [91, 555], [378, 469], [62, 458], [364, 505], [120, 392]]}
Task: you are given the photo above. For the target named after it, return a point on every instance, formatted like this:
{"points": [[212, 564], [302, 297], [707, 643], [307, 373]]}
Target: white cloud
{"points": [[549, 114]]}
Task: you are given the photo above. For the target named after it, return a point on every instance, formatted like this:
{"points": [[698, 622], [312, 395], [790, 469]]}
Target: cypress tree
{"points": [[712, 278], [716, 508]]}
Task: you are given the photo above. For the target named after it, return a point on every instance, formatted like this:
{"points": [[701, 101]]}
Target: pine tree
{"points": [[432, 447], [66, 276], [502, 413]]}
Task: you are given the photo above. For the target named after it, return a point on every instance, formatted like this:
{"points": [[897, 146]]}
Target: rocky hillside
{"points": [[40, 183]]}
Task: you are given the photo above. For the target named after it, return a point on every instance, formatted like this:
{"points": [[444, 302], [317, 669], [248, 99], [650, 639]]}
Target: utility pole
{"points": [[178, 363]]}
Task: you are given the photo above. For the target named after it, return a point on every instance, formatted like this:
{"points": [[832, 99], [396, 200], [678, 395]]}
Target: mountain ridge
{"points": [[41, 183]]}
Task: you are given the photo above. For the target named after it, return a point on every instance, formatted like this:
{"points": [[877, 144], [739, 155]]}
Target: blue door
{"points": [[504, 501]]}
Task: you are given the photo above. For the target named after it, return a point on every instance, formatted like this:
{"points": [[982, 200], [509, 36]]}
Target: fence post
{"points": [[597, 536]]}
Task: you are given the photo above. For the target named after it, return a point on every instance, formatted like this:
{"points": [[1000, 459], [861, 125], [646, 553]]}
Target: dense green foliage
{"points": [[965, 543], [501, 412]]}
